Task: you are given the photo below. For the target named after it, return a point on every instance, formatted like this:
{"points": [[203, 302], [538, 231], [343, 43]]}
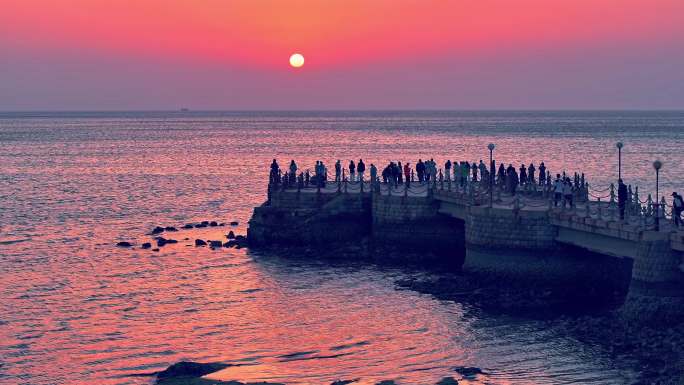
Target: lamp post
{"points": [[619, 147], [657, 165], [491, 146]]}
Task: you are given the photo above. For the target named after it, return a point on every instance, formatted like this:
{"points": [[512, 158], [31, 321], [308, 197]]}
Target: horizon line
{"points": [[185, 109]]}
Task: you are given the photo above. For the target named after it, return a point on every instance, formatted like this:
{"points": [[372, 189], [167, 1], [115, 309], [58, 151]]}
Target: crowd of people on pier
{"points": [[426, 171], [460, 173]]}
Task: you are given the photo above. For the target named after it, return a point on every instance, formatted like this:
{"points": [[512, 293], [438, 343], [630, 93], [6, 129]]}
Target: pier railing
{"points": [[587, 200]]}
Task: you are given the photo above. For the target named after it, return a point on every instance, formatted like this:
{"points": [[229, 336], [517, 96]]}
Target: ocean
{"points": [[76, 309]]}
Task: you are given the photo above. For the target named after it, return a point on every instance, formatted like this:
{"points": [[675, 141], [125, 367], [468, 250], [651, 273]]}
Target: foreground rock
{"points": [[124, 244], [190, 373]]}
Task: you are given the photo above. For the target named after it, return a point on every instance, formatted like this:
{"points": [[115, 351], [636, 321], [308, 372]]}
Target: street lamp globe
{"points": [[491, 146], [618, 145], [657, 165]]}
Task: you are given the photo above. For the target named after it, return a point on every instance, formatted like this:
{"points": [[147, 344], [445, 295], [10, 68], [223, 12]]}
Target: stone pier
{"points": [[522, 233]]}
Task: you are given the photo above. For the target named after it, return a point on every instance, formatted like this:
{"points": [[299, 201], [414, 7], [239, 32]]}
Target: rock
{"points": [[241, 238], [222, 224], [146, 245], [213, 223], [447, 381], [468, 371], [344, 382], [201, 225], [170, 228], [234, 223], [158, 230], [124, 244], [155, 249], [386, 382], [230, 235], [199, 242], [190, 369], [205, 223], [215, 244], [162, 241], [230, 244], [188, 226]]}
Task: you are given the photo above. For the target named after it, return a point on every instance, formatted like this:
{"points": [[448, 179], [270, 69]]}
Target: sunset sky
{"points": [[231, 55]]}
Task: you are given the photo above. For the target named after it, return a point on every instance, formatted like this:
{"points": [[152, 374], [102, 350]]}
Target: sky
{"points": [[359, 54]]}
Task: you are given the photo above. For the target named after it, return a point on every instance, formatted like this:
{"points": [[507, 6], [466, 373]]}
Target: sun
{"points": [[296, 60]]}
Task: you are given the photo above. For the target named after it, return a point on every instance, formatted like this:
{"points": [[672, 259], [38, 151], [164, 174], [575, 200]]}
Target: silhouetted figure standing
{"points": [[361, 168], [501, 174], [338, 170], [420, 170], [557, 190], [447, 169], [567, 192], [275, 171], [622, 198], [530, 173], [373, 173], [352, 171], [474, 168], [542, 173], [523, 174], [407, 175], [511, 183], [677, 208]]}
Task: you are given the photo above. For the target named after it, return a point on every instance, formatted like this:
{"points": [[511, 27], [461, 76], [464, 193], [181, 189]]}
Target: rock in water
{"points": [[468, 371], [158, 230], [344, 382], [188, 226], [170, 228], [146, 245], [234, 223], [231, 235], [199, 242], [213, 223], [190, 369], [447, 381], [124, 244], [161, 241], [215, 244]]}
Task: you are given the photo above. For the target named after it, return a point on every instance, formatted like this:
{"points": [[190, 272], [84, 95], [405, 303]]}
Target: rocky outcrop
{"points": [[319, 220]]}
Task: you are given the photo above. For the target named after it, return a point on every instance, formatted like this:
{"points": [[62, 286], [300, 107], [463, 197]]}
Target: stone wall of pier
{"points": [[414, 224], [509, 229], [310, 219], [656, 260]]}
